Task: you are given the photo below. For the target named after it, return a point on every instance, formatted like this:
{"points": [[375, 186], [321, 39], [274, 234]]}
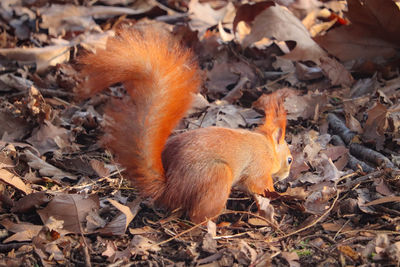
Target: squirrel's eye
{"points": [[289, 160]]}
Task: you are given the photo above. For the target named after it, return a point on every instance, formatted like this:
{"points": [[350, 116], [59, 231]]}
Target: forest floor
{"points": [[63, 197]]}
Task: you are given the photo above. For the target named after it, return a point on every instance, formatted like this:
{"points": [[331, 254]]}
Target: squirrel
{"points": [[194, 170]]}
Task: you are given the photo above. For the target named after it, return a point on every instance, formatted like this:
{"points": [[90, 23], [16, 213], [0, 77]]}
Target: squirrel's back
{"points": [[215, 159]]}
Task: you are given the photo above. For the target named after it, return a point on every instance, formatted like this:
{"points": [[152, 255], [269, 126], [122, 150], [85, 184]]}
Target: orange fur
{"points": [[195, 170]]}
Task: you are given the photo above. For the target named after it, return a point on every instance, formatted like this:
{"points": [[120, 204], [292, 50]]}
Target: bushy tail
{"points": [[160, 77]]}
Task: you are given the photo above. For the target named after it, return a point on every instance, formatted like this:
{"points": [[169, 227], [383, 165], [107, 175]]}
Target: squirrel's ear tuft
{"points": [[275, 115]]}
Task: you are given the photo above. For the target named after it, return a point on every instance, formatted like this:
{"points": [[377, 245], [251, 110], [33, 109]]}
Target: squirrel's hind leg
{"points": [[212, 197]]}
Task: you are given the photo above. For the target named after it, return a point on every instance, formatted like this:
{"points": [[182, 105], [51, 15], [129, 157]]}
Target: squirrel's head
{"points": [[283, 160]]}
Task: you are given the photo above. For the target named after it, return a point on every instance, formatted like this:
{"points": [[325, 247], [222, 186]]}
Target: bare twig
{"points": [[361, 179], [339, 128], [370, 155]]}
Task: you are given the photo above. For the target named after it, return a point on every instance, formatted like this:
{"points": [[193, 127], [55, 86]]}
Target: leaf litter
{"points": [[64, 199]]}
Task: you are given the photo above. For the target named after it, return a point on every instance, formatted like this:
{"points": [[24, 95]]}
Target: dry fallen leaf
{"points": [[100, 168], [296, 193], [336, 226], [60, 19], [12, 128], [220, 77], [49, 138], [14, 180], [120, 223], [394, 251], [209, 244], [353, 124], [72, 209], [110, 251], [376, 125], [364, 196], [203, 16], [94, 41], [43, 57], [354, 43], [265, 209], [8, 156], [374, 31], [318, 200], [305, 106], [212, 228], [141, 245], [325, 170], [348, 251], [336, 72], [382, 187], [380, 16], [29, 202], [234, 77], [279, 23], [248, 251], [23, 231], [45, 168], [292, 258], [223, 115]]}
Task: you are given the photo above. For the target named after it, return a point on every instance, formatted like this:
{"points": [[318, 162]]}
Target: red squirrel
{"points": [[194, 170]]}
